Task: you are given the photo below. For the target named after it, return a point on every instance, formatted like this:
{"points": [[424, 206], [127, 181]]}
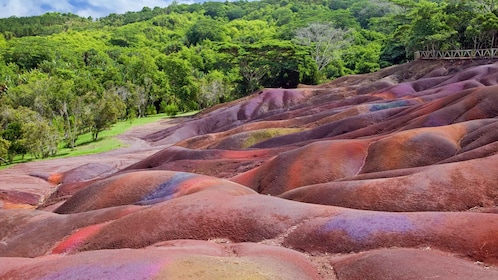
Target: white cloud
{"points": [[57, 5], [32, 7], [12, 7], [125, 5], [84, 8], [90, 13]]}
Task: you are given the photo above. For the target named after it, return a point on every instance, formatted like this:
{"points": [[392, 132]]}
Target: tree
{"points": [[275, 64], [487, 6], [106, 109], [344, 19], [430, 29], [282, 16], [206, 29], [460, 14], [41, 138], [4, 149], [363, 58], [250, 31], [215, 9], [483, 30], [29, 52], [213, 89], [28, 132], [253, 73], [325, 41], [186, 57], [17, 144], [364, 10], [235, 12], [182, 84], [52, 98]]}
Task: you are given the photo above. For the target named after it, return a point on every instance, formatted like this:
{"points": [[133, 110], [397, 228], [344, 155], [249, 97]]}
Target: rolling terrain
{"points": [[388, 175]]}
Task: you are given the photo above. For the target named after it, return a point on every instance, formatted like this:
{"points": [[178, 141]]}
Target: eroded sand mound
{"points": [[390, 175]]}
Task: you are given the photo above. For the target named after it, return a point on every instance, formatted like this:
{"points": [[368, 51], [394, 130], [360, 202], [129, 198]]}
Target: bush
{"points": [[171, 109]]}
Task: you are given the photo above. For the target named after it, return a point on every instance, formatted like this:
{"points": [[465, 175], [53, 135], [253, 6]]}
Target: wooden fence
{"points": [[458, 54]]}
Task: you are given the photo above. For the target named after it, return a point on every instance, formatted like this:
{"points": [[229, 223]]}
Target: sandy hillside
{"points": [[389, 175]]}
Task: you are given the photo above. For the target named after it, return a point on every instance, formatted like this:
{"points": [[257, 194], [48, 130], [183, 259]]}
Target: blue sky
{"points": [[84, 8]]}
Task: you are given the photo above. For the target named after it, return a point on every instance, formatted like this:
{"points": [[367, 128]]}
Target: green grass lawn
{"points": [[107, 140]]}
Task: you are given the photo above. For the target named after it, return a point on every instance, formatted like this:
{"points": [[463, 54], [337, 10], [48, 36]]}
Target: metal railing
{"points": [[457, 54]]}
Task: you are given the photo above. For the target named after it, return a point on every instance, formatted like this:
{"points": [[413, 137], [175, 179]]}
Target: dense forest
{"points": [[62, 75]]}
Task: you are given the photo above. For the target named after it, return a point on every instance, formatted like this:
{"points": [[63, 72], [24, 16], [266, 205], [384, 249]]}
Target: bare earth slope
{"points": [[389, 175]]}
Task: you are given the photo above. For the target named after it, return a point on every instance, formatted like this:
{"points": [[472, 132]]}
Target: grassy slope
{"points": [[107, 140]]}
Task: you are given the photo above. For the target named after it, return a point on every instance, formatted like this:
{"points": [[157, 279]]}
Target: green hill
{"points": [[67, 75]]}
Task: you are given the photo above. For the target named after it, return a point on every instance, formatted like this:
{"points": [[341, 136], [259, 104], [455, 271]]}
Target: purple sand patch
{"points": [[362, 227], [130, 271], [435, 119], [388, 105], [166, 190], [403, 89]]}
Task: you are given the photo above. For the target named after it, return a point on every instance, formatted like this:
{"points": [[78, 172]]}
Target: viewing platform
{"points": [[457, 54]]}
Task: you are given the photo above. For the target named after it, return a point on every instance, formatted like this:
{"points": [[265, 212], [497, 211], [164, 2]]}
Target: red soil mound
{"points": [[409, 264], [390, 175], [180, 259]]}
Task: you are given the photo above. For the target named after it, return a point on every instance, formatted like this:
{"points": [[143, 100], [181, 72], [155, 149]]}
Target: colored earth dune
{"points": [[389, 175]]}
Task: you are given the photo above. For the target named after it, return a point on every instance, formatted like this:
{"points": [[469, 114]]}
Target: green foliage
{"points": [[365, 10], [363, 59], [214, 88], [215, 9], [107, 109], [27, 132], [69, 76], [325, 42], [49, 23], [4, 149], [27, 53], [40, 137], [483, 30], [235, 12], [275, 64], [243, 31], [178, 72], [430, 29], [170, 109], [205, 29], [13, 139]]}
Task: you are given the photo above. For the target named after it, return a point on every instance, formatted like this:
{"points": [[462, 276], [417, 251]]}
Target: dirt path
{"points": [[19, 177]]}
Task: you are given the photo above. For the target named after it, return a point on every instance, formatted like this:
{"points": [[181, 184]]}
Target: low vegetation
{"points": [[63, 76], [86, 145]]}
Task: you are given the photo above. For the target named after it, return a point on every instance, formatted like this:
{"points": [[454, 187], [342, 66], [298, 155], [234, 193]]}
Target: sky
{"points": [[84, 8]]}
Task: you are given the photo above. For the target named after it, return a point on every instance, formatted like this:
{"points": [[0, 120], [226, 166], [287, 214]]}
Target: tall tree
{"points": [[4, 150], [483, 30], [487, 6], [325, 41], [213, 88], [106, 109], [28, 132], [182, 83], [206, 29], [430, 29], [276, 64]]}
